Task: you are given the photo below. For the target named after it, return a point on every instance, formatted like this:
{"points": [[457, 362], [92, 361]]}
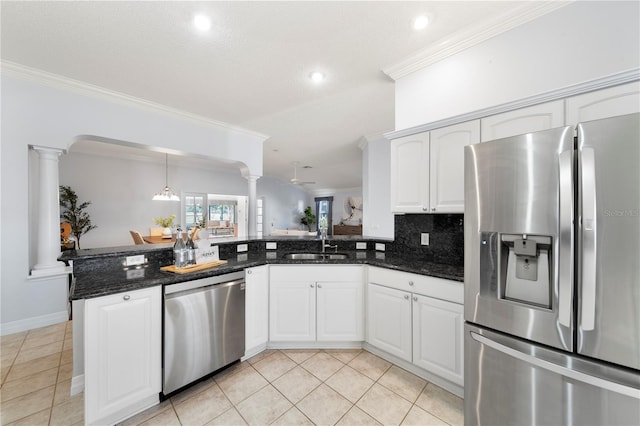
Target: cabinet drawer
{"points": [[315, 273], [439, 288]]}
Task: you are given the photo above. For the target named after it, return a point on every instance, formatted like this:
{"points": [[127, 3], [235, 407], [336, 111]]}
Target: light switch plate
{"points": [[379, 247], [242, 248], [361, 245], [271, 246], [424, 238]]}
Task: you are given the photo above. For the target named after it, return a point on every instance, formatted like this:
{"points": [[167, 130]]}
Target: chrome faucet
{"points": [[323, 234]]}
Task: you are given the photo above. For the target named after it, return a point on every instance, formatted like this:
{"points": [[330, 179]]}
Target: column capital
{"points": [[252, 177], [48, 150]]}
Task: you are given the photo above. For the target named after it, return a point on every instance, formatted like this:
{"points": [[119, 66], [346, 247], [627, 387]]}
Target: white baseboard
{"points": [[77, 384], [33, 322]]}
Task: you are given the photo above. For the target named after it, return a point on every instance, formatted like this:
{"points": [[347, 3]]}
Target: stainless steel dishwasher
{"points": [[203, 328]]}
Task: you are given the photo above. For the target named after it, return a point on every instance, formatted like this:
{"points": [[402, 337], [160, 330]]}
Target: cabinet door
{"points": [[122, 354], [292, 311], [525, 120], [410, 174], [446, 165], [340, 315], [438, 336], [610, 102], [256, 309], [389, 320]]}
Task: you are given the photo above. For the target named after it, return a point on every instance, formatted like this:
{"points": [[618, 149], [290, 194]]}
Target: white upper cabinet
{"points": [[410, 174], [446, 166], [610, 102], [525, 120], [427, 169]]}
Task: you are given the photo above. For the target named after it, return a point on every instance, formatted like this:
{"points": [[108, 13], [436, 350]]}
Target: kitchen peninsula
{"points": [[126, 302]]}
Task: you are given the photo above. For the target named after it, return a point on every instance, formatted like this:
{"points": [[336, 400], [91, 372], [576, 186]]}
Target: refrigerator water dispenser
{"points": [[526, 276]]}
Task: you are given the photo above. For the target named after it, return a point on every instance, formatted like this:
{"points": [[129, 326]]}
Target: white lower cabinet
{"points": [[316, 303], [292, 311], [123, 353], [438, 331], [256, 309], [404, 320], [389, 320]]}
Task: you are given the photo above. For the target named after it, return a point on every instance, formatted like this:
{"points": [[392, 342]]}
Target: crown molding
{"points": [[56, 81], [472, 36], [616, 79]]}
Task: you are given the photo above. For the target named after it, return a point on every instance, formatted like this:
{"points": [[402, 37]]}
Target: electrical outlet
{"points": [[271, 246], [424, 238], [135, 260], [379, 247], [361, 245], [242, 248]]}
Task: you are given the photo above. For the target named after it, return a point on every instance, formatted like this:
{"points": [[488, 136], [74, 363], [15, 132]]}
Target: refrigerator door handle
{"points": [[588, 229], [505, 348], [566, 238]]}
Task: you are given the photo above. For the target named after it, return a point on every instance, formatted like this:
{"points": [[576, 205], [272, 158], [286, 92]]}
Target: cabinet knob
{"points": [[311, 285], [319, 286], [433, 209], [126, 297], [406, 296], [425, 209], [249, 272], [415, 299], [410, 282]]}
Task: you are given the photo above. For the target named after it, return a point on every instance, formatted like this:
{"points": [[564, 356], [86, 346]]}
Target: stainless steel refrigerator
{"points": [[552, 277]]}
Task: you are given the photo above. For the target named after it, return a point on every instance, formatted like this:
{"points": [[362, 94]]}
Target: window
{"points": [[194, 208], [324, 209], [223, 210]]}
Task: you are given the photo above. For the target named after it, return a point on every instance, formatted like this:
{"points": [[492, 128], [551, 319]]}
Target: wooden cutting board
{"points": [[193, 268]]}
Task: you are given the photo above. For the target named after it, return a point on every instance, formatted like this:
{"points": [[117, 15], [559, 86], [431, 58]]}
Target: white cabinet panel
{"points": [[256, 309], [446, 167], [438, 337], [410, 174], [340, 311], [122, 354], [525, 120], [292, 311], [389, 320], [610, 102]]}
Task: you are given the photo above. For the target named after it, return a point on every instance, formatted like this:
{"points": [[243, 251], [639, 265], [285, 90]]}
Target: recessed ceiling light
{"points": [[317, 76], [202, 22], [421, 22]]}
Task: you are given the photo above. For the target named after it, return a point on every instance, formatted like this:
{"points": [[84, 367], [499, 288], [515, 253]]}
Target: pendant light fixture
{"points": [[166, 194]]}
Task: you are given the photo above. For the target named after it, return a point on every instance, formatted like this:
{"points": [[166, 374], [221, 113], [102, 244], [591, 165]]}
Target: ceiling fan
{"points": [[295, 179]]}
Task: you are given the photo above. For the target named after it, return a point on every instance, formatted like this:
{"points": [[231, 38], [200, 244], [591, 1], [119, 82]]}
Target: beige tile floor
{"points": [[279, 387]]}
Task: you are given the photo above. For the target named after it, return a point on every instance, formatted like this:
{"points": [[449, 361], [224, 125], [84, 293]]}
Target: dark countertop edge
{"points": [[114, 285]]}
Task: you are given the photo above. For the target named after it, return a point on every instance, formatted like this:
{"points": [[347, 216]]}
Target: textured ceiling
{"points": [[251, 69]]}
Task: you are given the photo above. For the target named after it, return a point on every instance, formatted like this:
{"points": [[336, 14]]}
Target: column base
{"points": [[57, 268]]}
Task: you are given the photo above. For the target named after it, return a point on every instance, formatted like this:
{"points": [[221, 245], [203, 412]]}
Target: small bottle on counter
{"points": [[191, 249], [180, 252]]}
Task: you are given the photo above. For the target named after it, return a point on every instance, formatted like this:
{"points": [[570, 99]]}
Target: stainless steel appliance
{"points": [[552, 276], [203, 328]]}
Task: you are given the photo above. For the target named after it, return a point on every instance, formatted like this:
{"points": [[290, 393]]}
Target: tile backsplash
{"points": [[446, 237]]}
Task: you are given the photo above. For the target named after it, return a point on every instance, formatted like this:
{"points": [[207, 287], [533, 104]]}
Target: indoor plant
{"points": [[74, 214], [166, 223], [308, 218]]}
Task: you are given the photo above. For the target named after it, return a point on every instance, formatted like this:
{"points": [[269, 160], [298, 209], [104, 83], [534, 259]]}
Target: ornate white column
{"points": [[48, 211], [252, 205]]}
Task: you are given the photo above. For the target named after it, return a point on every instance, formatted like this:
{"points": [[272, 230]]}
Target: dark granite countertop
{"points": [[118, 279]]}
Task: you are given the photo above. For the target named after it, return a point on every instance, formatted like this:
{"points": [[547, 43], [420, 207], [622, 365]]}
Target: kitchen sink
{"points": [[315, 256]]}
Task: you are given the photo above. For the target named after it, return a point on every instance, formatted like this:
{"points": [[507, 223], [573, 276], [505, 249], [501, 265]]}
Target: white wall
{"points": [[282, 204], [40, 110], [580, 42], [377, 217]]}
